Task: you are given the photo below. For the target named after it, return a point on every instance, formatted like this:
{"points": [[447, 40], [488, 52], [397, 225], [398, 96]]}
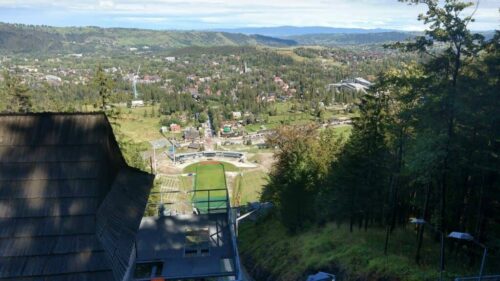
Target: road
{"points": [[209, 144]]}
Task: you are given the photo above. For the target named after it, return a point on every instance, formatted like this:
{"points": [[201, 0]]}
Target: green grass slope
{"points": [[210, 176], [228, 167], [268, 250], [249, 185]]}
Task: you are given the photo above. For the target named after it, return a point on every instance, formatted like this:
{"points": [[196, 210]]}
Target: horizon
{"points": [[212, 14], [231, 29]]}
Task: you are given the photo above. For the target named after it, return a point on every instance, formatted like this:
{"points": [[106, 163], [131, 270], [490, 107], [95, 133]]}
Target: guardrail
{"points": [[206, 154], [483, 278], [217, 205]]}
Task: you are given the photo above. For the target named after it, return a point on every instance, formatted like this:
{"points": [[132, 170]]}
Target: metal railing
{"points": [[484, 278], [213, 203]]}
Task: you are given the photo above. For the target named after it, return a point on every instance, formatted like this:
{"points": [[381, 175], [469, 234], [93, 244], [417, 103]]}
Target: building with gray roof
{"points": [[70, 206]]}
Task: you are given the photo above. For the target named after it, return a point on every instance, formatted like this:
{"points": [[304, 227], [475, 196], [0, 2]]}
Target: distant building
{"points": [[170, 59], [363, 81], [194, 145], [357, 84], [53, 80], [175, 128], [205, 79], [236, 115], [137, 103], [271, 97], [149, 79], [191, 134], [227, 129]]}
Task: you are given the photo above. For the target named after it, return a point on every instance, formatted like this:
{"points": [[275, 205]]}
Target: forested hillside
{"points": [[284, 31], [352, 38], [18, 38], [425, 145]]}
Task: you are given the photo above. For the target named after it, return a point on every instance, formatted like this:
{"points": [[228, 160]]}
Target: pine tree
{"points": [[17, 93], [104, 86]]}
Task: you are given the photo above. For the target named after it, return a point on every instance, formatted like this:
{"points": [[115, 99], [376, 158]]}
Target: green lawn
{"points": [[137, 127], [286, 116], [249, 186], [228, 167], [140, 126], [343, 130], [209, 176]]}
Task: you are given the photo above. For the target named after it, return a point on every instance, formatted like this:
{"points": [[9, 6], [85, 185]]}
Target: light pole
{"points": [[467, 237], [441, 259]]}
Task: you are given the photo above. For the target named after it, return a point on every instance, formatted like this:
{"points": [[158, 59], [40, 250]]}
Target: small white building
{"points": [[53, 80], [137, 103], [236, 114], [170, 59], [363, 81]]}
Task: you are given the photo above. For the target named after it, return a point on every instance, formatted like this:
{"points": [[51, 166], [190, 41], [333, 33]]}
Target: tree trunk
{"points": [[351, 222], [421, 229]]}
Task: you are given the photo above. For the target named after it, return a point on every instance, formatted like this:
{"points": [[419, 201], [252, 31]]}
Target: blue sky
{"points": [[207, 14]]}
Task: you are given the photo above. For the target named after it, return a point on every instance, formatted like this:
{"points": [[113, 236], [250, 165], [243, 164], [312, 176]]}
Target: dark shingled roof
{"points": [[70, 206]]}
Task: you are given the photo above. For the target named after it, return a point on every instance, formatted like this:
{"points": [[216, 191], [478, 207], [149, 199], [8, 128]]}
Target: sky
{"points": [[211, 14]]}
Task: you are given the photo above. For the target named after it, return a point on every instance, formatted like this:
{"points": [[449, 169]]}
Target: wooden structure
{"points": [[70, 206]]}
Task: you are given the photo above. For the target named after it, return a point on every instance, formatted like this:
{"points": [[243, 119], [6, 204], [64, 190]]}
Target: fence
{"points": [[484, 278]]}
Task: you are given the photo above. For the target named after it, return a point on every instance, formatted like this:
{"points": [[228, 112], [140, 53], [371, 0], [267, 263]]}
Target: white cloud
{"points": [[234, 13], [106, 4]]}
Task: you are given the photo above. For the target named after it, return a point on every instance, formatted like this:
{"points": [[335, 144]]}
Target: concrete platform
{"points": [[169, 240]]}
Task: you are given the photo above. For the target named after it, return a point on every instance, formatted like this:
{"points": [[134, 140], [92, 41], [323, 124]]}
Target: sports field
{"points": [[228, 167], [210, 177]]}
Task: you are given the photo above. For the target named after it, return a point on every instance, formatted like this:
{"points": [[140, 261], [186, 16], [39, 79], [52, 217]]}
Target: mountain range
{"points": [[287, 31], [19, 38]]}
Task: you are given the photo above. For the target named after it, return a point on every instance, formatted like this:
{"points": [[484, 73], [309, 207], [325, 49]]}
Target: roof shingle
{"points": [[70, 206]]}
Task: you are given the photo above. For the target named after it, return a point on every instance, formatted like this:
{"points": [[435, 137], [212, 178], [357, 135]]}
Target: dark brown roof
{"points": [[70, 206]]}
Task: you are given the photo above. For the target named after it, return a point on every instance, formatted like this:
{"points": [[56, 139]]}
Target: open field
{"points": [[285, 115], [249, 185], [139, 125], [343, 130], [228, 167], [210, 178]]}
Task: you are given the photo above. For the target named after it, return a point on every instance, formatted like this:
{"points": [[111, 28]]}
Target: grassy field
{"points": [[209, 176], [228, 167], [285, 115], [249, 186], [343, 130], [267, 247], [141, 127]]}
